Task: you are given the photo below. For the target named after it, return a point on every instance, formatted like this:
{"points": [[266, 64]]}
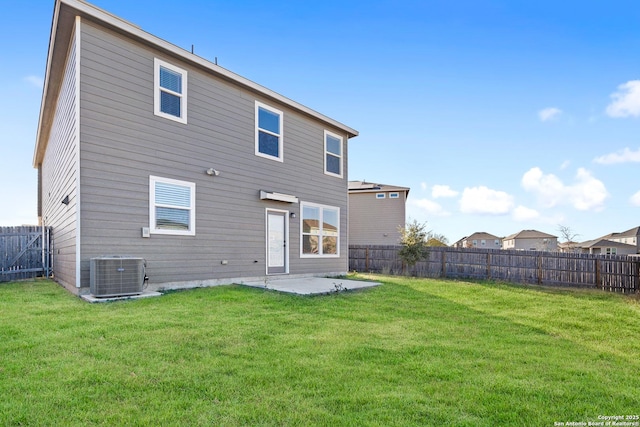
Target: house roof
{"points": [[604, 243], [62, 26], [633, 232], [530, 234], [478, 235], [370, 187], [481, 235]]}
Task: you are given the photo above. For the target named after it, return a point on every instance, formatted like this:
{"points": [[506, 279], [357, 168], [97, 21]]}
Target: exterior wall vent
{"points": [[117, 276]]}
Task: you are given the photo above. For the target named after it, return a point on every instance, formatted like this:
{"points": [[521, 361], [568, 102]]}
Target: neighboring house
{"points": [[569, 247], [531, 240], [629, 237], [146, 150], [606, 247], [376, 211], [479, 240]]}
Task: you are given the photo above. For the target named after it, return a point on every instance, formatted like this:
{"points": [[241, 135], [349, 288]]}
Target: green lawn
{"points": [[409, 352]]}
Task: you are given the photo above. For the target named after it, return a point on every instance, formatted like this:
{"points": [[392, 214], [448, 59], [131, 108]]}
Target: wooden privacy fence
{"points": [[613, 273], [24, 252]]}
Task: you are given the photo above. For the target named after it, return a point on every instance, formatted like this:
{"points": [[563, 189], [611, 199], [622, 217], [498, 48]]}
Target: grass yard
{"points": [[410, 352]]}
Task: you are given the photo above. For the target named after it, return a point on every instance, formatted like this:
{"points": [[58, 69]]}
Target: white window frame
{"points": [[380, 196], [152, 206], [318, 255], [326, 153], [394, 195], [157, 63], [280, 136]]}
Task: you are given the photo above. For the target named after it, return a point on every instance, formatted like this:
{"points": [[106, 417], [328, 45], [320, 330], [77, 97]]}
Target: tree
{"points": [[413, 238], [567, 234], [435, 239]]}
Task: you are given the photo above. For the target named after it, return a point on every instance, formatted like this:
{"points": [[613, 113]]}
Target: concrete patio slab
{"points": [[311, 285]]}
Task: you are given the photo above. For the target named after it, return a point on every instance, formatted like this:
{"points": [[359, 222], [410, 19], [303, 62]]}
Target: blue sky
{"points": [[499, 115]]}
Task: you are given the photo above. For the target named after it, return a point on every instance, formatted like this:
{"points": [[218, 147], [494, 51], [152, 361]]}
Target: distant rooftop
{"points": [[530, 234], [635, 231], [370, 187]]}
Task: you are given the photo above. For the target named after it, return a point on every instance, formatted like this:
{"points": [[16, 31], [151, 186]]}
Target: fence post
{"points": [[598, 273], [366, 260], [540, 269], [443, 271], [488, 265]]}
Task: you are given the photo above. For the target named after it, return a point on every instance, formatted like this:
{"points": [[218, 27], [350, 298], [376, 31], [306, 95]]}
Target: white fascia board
{"points": [[45, 86]]}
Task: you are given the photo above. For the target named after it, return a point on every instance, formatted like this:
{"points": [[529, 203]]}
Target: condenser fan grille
{"points": [[116, 276]]}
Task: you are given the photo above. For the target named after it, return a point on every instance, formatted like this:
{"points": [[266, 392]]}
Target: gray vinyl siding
{"points": [[123, 143], [59, 177], [375, 221]]}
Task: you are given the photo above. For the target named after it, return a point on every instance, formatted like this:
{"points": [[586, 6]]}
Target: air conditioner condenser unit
{"points": [[117, 276]]}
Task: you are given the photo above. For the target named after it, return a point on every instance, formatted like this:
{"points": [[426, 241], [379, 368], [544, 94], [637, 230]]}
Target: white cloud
{"points": [[626, 101], [565, 164], [621, 156], [430, 207], [548, 114], [549, 188], [523, 214], [483, 200], [423, 185], [587, 193], [36, 81], [635, 199], [443, 191]]}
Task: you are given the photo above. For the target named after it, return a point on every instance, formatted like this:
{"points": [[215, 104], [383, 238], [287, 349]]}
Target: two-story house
{"points": [[624, 243], [531, 240], [605, 247], [144, 149], [481, 240], [628, 237], [376, 212]]}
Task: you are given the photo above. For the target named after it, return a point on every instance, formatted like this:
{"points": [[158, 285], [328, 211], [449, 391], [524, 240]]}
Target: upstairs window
{"points": [[268, 132], [172, 206], [394, 195], [380, 195], [170, 85], [332, 154]]}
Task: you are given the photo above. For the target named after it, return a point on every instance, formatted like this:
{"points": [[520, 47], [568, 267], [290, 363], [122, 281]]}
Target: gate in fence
{"points": [[25, 252]]}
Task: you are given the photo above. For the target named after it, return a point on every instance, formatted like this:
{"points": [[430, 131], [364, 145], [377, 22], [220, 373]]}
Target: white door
{"points": [[276, 242]]}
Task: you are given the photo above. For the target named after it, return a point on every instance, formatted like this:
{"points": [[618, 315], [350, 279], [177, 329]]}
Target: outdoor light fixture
{"points": [[292, 215], [213, 172]]}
